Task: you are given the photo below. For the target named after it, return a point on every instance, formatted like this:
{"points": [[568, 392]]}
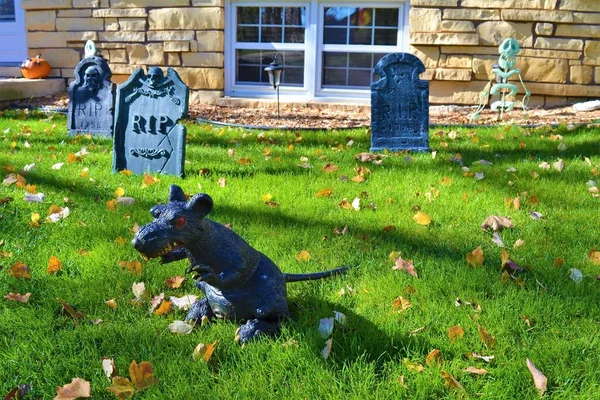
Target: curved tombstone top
{"points": [[396, 65]]}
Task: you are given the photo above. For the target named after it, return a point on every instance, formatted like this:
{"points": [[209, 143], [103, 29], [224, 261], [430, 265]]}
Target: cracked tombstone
{"points": [[399, 105], [147, 135], [92, 96]]}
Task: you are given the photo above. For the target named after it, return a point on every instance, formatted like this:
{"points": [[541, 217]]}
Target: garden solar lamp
{"points": [[275, 70]]}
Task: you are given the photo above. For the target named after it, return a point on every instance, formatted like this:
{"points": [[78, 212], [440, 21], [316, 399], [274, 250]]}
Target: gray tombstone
{"points": [[400, 105], [92, 96], [147, 135]]}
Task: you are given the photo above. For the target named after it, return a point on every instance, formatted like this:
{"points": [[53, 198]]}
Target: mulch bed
{"points": [[326, 116]]}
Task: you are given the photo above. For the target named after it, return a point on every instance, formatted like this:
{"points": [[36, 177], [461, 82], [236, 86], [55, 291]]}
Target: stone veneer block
{"points": [[544, 29], [425, 19], [57, 39], [582, 31], [591, 52], [40, 20], [202, 60], [45, 5], [567, 55], [120, 13], [148, 3], [434, 3], [118, 56], [122, 36], [186, 18], [580, 5], [505, 4], [58, 58], [453, 74], [494, 33], [537, 15], [132, 24], [173, 59], [429, 55], [457, 26], [456, 61], [207, 3], [177, 46], [74, 13], [90, 3], [597, 75], [444, 39], [208, 41], [559, 44], [447, 92], [165, 36], [586, 18], [582, 74], [471, 14], [149, 54], [202, 78], [79, 24]]}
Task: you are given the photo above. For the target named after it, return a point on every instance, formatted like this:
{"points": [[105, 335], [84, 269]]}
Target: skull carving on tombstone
{"points": [[92, 79], [155, 77]]}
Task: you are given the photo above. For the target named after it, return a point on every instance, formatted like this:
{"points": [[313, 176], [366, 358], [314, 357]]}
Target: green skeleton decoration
{"points": [[507, 91]]}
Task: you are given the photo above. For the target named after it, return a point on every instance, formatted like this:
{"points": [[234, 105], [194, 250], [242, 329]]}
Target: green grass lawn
{"points": [[543, 315]]}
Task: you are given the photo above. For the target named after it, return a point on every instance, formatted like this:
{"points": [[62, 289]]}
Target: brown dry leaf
{"points": [[244, 161], [148, 180], [204, 351], [54, 265], [121, 241], [132, 266], [112, 304], [18, 393], [345, 204], [324, 193], [222, 182], [401, 304], [434, 357], [446, 181], [21, 298], [475, 258], [358, 179], [70, 310], [126, 172], [120, 192], [413, 365], [31, 189], [389, 228], [539, 379], [71, 158], [142, 375], [476, 371], [422, 219], [174, 282], [486, 338], [496, 223], [330, 168], [109, 367], [594, 256], [111, 205], [450, 381], [78, 388], [121, 387], [19, 270], [455, 332], [303, 256], [505, 256], [165, 308], [403, 265]]}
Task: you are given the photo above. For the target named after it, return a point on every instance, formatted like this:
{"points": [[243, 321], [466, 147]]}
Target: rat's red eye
{"points": [[180, 222]]}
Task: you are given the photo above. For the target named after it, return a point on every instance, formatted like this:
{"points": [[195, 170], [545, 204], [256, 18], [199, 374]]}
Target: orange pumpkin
{"points": [[35, 68]]}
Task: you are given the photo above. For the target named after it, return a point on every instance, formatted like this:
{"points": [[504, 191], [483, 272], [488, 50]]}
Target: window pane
{"points": [[246, 73], [360, 60], [335, 36], [294, 35], [247, 34], [293, 59], [361, 17], [7, 11], [295, 16], [271, 34], [247, 15], [271, 15], [386, 17], [334, 77], [331, 59], [361, 36], [248, 56], [359, 77], [336, 16], [294, 76], [386, 37], [251, 67]]}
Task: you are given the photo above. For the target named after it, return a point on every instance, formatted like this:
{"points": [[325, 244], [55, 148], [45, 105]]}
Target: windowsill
{"points": [[257, 102]]}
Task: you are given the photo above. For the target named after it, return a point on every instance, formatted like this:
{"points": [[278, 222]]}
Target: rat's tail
{"points": [[316, 275]]}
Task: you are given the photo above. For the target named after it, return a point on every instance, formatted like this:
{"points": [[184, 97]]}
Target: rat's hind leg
{"points": [[255, 327], [199, 310]]}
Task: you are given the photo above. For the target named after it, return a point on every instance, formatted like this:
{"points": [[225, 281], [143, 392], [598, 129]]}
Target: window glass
{"points": [[350, 70], [7, 11], [270, 24], [251, 65]]}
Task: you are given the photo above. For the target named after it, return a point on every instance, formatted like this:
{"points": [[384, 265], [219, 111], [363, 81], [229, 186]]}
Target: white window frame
{"points": [[313, 50], [12, 34]]}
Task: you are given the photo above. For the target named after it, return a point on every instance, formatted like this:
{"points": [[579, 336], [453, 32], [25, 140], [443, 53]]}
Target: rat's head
{"points": [[176, 224]]}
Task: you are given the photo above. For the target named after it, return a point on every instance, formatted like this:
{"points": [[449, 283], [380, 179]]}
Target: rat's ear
{"points": [[201, 204], [176, 194]]}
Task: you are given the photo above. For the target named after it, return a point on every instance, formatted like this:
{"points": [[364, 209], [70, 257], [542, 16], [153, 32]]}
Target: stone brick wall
{"points": [[184, 34], [458, 42]]}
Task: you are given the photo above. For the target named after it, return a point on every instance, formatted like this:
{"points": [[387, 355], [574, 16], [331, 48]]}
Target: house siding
{"points": [[456, 39]]}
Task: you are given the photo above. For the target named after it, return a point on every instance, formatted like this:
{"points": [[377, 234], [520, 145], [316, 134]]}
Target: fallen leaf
{"points": [[57, 166], [413, 365], [403, 265], [340, 318], [142, 375], [345, 204], [497, 239], [19, 270], [422, 219], [132, 266], [34, 198], [244, 161], [539, 380], [21, 298], [434, 357], [155, 301], [479, 176], [324, 193], [559, 165], [18, 393], [148, 180], [368, 157], [535, 215], [267, 197], [475, 258], [112, 304], [111, 205], [455, 332], [476, 371], [477, 356], [486, 338], [594, 256], [76, 389], [330, 168], [126, 172], [518, 243], [165, 308], [326, 352], [544, 165], [303, 256], [109, 368], [222, 182], [496, 223], [326, 327], [450, 381], [70, 310], [181, 327], [126, 201], [121, 387], [417, 331], [401, 304], [356, 204], [204, 351], [174, 282], [54, 265], [401, 381], [575, 275], [183, 303]]}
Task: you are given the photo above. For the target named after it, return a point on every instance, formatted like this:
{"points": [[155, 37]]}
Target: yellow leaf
{"points": [[594, 256], [148, 180], [174, 282], [330, 168], [450, 381], [434, 357], [244, 161], [31, 189], [455, 332], [126, 172], [132, 266], [267, 151], [422, 219], [120, 192], [413, 366], [78, 388], [475, 258], [446, 181], [121, 241], [394, 255], [121, 387], [54, 265], [71, 158], [142, 375], [19, 270], [35, 218], [204, 351], [324, 193], [165, 308], [267, 197], [303, 256], [486, 338], [345, 204], [505, 257], [112, 303], [401, 304], [111, 205]]}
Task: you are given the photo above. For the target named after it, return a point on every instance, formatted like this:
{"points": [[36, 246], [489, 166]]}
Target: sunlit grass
{"points": [[550, 319]]}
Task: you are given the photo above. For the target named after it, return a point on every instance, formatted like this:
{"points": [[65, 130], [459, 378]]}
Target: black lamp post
{"points": [[275, 70]]}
